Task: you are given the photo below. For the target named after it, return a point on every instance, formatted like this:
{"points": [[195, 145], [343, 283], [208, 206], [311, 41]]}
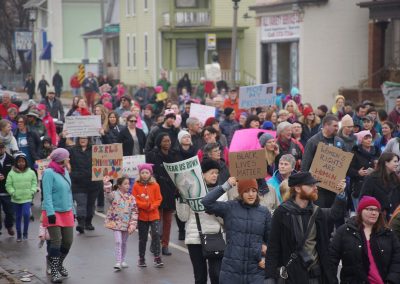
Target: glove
{"points": [[52, 219]]}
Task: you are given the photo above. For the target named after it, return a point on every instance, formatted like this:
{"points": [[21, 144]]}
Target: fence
{"points": [[10, 80]]}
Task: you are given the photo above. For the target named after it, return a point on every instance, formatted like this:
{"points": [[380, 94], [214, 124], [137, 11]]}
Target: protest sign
{"points": [[106, 161], [330, 165], [213, 72], [202, 112], [130, 163], [41, 166], [257, 96], [188, 178], [82, 126], [248, 164]]}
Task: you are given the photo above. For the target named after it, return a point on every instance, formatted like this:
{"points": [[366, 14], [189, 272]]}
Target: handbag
{"points": [[213, 245]]}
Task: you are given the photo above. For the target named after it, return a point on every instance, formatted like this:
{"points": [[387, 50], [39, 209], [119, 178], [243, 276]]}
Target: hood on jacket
{"points": [[18, 156]]}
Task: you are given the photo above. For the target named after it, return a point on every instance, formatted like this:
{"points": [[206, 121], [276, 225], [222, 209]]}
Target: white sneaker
{"points": [[124, 265], [117, 266]]}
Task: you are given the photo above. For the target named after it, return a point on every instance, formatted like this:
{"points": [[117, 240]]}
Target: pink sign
{"points": [[247, 139]]}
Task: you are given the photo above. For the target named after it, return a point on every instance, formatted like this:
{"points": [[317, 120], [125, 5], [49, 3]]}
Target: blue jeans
{"points": [[8, 209], [22, 210]]}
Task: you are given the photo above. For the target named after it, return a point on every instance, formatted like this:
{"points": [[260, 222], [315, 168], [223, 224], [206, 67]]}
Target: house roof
{"points": [[261, 5], [382, 10], [33, 3], [98, 34]]}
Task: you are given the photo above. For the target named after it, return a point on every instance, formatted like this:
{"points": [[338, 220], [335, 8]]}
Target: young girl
{"points": [[148, 198], [121, 217]]}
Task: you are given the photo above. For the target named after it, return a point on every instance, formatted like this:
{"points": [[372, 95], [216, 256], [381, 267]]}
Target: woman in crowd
{"points": [[273, 117], [112, 129], [293, 110], [81, 108], [395, 222], [7, 138], [212, 121], [135, 110], [132, 138], [383, 184], [297, 133], [362, 164], [286, 167], [368, 249], [252, 121], [387, 134], [103, 112], [186, 149], [163, 153], [212, 151], [210, 135], [338, 108], [58, 212], [74, 105], [12, 115], [267, 141], [247, 226], [310, 124]]}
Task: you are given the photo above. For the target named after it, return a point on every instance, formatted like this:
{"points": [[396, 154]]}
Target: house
{"points": [[319, 46], [172, 35]]}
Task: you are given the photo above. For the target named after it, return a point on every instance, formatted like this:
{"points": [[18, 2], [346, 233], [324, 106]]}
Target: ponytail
{"points": [[119, 182]]}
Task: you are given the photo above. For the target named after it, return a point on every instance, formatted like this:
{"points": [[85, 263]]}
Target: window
{"points": [[146, 5], [146, 51], [186, 53], [127, 7], [133, 11], [128, 51], [134, 51]]}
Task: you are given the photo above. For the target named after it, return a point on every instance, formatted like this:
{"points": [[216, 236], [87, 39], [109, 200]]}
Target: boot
{"points": [[61, 268], [48, 268], [165, 251], [81, 224], [55, 274], [88, 223]]}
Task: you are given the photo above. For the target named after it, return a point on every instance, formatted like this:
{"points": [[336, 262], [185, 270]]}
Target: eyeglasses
{"points": [[132, 121], [371, 210], [216, 150]]}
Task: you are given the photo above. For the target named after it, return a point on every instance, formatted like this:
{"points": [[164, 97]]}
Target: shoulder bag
{"points": [[213, 245]]}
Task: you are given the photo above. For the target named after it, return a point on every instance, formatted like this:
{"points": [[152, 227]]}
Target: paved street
{"points": [[91, 259]]}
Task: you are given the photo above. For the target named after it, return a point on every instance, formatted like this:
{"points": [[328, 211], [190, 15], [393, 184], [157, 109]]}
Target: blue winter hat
{"points": [[267, 125]]}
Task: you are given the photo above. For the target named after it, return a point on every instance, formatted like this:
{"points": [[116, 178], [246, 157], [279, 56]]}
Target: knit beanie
{"points": [[267, 125], [347, 120], [210, 121], [367, 201], [228, 111], [264, 139], [168, 113], [181, 134], [208, 164], [281, 126], [360, 135], [307, 111], [245, 184], [58, 155], [145, 166]]}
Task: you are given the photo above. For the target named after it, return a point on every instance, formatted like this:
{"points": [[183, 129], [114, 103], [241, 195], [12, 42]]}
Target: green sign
{"points": [[111, 29]]}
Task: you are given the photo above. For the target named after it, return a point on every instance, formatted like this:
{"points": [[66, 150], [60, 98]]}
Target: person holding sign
{"points": [[299, 237], [247, 226]]}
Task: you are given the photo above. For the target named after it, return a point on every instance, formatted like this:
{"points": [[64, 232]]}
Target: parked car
{"points": [[15, 97]]}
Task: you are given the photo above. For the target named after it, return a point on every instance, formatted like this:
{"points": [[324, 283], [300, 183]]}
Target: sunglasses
{"points": [[132, 121]]}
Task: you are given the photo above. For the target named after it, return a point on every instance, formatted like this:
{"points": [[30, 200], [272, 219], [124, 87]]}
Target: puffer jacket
{"points": [[247, 228], [210, 224], [21, 185], [349, 246], [148, 207]]}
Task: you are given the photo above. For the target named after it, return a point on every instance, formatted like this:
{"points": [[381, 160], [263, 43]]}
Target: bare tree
{"points": [[13, 17]]}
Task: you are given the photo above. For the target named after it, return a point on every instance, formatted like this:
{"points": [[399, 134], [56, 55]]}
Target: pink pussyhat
{"points": [[146, 166]]}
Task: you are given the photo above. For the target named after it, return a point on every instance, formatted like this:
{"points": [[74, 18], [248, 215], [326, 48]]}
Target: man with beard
{"points": [[299, 237]]}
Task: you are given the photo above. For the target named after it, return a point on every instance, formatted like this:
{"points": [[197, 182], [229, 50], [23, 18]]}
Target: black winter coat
{"points": [[111, 136], [33, 143], [282, 243], [167, 186], [126, 139], [4, 170], [247, 227], [361, 159], [387, 195], [349, 245]]}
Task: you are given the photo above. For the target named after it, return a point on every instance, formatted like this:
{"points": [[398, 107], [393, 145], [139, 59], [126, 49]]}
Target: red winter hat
{"points": [[210, 121], [367, 201], [307, 111], [245, 184]]}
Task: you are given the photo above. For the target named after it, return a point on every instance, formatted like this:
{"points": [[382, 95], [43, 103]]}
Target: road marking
{"points": [[175, 246]]}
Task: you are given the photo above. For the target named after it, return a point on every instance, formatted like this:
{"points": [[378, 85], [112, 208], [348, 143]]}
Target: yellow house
{"points": [[172, 35]]}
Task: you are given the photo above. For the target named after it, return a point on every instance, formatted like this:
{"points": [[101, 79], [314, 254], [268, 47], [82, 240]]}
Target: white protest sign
{"points": [[202, 112], [82, 126], [130, 163], [213, 72], [188, 178], [257, 96]]}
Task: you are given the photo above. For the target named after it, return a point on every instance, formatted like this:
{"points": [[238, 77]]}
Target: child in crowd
{"points": [[21, 184], [148, 198], [121, 217]]}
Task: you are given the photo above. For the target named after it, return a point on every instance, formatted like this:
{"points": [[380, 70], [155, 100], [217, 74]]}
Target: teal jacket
{"points": [[57, 194], [21, 185]]}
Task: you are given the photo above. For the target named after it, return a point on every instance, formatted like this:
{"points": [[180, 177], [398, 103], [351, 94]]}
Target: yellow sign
{"points": [[211, 41]]}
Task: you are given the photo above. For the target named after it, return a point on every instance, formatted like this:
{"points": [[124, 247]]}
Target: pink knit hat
{"points": [[367, 201], [146, 166], [58, 155], [360, 135]]}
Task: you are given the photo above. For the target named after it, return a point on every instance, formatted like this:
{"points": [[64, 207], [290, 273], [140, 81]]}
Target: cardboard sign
{"points": [[257, 96], [202, 112], [330, 165], [106, 161], [213, 72], [82, 126], [130, 163], [188, 178], [41, 166], [248, 164]]}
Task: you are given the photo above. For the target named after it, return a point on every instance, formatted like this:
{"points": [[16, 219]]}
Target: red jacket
{"points": [[148, 207], [74, 82], [4, 109], [51, 128]]}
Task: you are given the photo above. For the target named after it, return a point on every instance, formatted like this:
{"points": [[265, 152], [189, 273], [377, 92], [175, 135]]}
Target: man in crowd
{"points": [[30, 86], [233, 100], [163, 81], [6, 105], [361, 111], [125, 105], [346, 132], [142, 95], [229, 123], [42, 87], [394, 115], [90, 87], [6, 163], [53, 105], [57, 83], [194, 129]]}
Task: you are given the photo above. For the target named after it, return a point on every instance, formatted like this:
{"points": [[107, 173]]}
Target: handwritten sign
{"points": [[213, 72], [188, 178], [106, 161], [41, 166], [248, 164], [330, 165], [82, 126], [202, 112], [257, 96], [130, 163]]}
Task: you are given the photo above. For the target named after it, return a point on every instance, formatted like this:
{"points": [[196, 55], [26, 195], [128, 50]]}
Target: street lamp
{"points": [[234, 42], [32, 18]]}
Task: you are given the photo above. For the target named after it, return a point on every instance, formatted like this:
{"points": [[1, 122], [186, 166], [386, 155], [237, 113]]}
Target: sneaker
{"points": [[165, 251], [124, 265], [10, 231], [19, 240], [117, 266], [25, 237], [100, 209], [158, 262], [142, 262]]}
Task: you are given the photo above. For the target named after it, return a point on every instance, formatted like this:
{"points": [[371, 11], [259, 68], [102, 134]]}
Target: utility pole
{"points": [[103, 38], [234, 42]]}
